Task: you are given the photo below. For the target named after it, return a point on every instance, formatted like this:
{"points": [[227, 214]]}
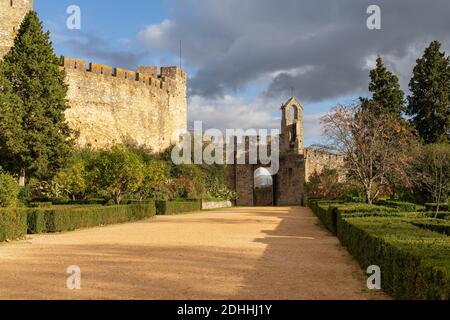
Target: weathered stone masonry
{"points": [[297, 163], [112, 105], [12, 13]]}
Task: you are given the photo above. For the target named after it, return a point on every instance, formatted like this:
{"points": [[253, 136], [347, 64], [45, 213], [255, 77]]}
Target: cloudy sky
{"points": [[246, 57]]}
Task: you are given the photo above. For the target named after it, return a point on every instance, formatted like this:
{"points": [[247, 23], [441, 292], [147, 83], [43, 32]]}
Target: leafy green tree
{"points": [[73, 180], [155, 179], [115, 173], [11, 118], [324, 185], [429, 103], [34, 135], [387, 97], [9, 190], [433, 171]]}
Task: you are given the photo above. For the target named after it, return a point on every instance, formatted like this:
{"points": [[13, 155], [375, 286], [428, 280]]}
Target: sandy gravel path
{"points": [[241, 253]]}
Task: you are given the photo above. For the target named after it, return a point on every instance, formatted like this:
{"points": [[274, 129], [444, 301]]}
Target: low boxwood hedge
{"points": [[415, 262], [177, 207], [40, 204], [436, 225], [434, 207], [68, 218], [13, 224], [401, 205], [328, 212], [36, 221]]}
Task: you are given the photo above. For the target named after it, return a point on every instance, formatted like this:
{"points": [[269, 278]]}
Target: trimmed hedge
{"points": [[13, 224], [177, 207], [439, 215], [436, 225], [40, 204], [36, 221], [401, 205], [328, 212], [58, 219], [68, 201], [415, 262], [433, 207]]}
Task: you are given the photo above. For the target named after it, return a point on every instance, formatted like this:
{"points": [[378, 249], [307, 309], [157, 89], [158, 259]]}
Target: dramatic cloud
{"points": [[319, 48], [96, 49], [232, 113]]}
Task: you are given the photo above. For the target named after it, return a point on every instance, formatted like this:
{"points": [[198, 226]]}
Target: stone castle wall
{"points": [[12, 13], [110, 106], [317, 160]]}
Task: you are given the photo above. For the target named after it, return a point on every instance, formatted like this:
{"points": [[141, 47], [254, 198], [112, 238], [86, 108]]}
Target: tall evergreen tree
{"points": [[35, 137], [429, 103], [387, 97]]}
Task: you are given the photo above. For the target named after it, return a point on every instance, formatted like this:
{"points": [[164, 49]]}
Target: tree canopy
{"points": [[429, 103], [387, 96], [34, 135]]}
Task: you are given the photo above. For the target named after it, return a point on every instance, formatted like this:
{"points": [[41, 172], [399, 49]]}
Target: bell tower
{"points": [[292, 129]]}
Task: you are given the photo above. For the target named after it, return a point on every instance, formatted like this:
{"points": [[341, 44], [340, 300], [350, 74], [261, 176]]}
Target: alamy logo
{"points": [[374, 280], [236, 146], [74, 280], [73, 22], [374, 20]]}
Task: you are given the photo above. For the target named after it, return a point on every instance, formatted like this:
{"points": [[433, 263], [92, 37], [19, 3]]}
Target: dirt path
{"points": [[242, 253]]}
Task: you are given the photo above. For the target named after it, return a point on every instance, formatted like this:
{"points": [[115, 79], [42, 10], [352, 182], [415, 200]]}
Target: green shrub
{"points": [[60, 201], [355, 199], [40, 204], [68, 218], [13, 224], [328, 212], [360, 207], [439, 215], [415, 262], [401, 205], [36, 221], [177, 207], [9, 191], [381, 214], [327, 215], [434, 207], [436, 225]]}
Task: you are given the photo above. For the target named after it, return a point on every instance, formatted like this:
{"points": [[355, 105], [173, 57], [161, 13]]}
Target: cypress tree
{"points": [[429, 101], [34, 136], [387, 96]]}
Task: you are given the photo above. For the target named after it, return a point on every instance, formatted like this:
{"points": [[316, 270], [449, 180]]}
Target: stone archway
{"points": [[263, 192]]}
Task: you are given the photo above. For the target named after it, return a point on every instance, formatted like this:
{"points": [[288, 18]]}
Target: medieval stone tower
{"points": [[12, 13], [108, 105], [290, 181], [292, 129]]}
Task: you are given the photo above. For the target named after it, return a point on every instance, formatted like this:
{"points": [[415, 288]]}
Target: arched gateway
{"points": [[288, 183]]}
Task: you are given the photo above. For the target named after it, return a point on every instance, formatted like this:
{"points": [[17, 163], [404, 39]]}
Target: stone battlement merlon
{"points": [[148, 75]]}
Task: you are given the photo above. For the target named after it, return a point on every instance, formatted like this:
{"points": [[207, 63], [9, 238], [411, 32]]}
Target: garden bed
{"points": [[415, 262], [177, 207], [15, 223], [411, 248]]}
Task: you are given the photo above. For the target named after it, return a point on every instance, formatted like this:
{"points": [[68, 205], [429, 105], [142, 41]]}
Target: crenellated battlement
{"points": [[166, 79], [143, 107], [115, 105]]}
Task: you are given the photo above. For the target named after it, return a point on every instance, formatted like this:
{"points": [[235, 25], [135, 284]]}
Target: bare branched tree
{"points": [[433, 170], [373, 145]]}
